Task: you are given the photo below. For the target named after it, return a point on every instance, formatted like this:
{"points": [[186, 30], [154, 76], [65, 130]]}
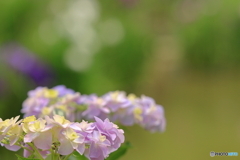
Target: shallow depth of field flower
{"points": [[60, 123], [59, 137], [116, 106]]}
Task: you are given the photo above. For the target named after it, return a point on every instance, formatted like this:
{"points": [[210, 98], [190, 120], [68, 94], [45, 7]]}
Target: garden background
{"points": [[183, 53]]}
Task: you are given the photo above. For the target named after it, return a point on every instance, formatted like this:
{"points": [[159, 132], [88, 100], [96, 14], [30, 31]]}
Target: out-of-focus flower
{"points": [[13, 136], [62, 90], [153, 118], [96, 107], [10, 132], [34, 104], [115, 106], [6, 125], [116, 100], [26, 63], [43, 101]]}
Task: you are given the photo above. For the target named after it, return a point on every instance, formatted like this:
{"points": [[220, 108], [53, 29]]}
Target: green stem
{"points": [[54, 155], [59, 156], [36, 151], [24, 147], [27, 149]]}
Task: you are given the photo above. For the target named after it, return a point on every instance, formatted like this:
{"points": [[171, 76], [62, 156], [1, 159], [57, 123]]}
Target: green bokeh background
{"points": [[183, 53]]}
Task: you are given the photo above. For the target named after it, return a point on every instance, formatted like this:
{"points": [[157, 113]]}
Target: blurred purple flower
{"points": [[25, 62], [116, 100], [153, 118], [116, 106], [62, 90], [96, 107]]}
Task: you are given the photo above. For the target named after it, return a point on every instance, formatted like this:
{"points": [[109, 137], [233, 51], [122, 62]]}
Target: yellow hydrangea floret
{"points": [[132, 97], [63, 108], [8, 123], [114, 95], [61, 120], [29, 119], [137, 113], [71, 134], [37, 126], [50, 93], [46, 110]]}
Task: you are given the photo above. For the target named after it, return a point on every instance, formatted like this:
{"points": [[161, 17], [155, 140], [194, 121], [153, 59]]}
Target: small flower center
{"points": [[50, 93], [37, 125], [137, 113], [114, 95], [46, 111], [73, 136], [132, 97], [102, 138], [63, 108]]}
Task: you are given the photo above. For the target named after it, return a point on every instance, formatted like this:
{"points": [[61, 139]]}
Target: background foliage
{"points": [[183, 53]]}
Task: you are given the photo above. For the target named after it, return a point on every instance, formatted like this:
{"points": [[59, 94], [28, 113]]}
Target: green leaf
{"points": [[77, 156], [120, 152], [23, 158]]}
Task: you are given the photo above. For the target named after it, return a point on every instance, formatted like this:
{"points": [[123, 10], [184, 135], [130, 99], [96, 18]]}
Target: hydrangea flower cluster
{"points": [[59, 137], [116, 106]]}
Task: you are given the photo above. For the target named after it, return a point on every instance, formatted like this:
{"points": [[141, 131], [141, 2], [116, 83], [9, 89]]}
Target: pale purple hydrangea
{"points": [[153, 118], [96, 106], [95, 140], [116, 106], [116, 100], [43, 101], [105, 138], [124, 116], [62, 90], [111, 132], [39, 133], [122, 107], [34, 106]]}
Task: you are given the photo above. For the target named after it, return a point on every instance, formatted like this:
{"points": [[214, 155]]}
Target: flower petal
{"points": [[44, 140], [12, 148], [65, 148], [81, 148], [30, 137]]}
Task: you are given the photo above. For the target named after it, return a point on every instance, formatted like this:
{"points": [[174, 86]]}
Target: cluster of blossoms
{"points": [[59, 137], [116, 106]]}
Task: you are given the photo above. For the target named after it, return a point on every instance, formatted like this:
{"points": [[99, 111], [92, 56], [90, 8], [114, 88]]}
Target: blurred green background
{"points": [[183, 53]]}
